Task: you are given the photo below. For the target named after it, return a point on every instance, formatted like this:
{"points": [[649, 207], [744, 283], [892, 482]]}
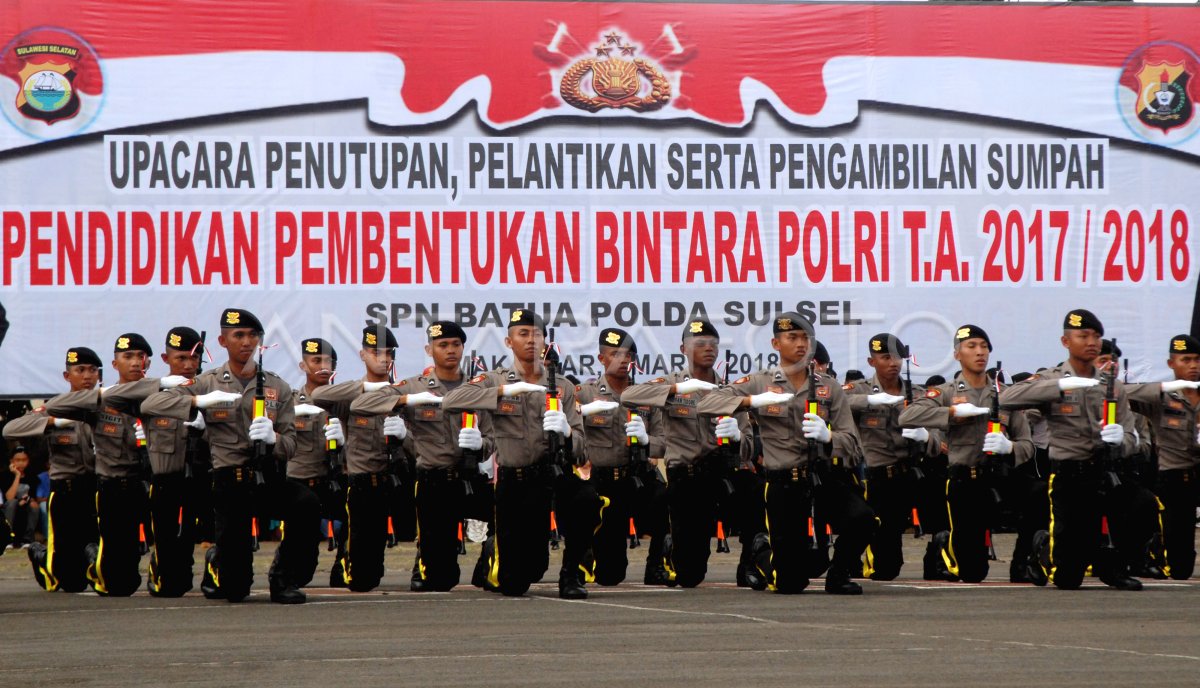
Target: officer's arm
{"points": [[657, 431], [381, 402], [1125, 418], [1030, 393], [727, 400], [128, 396], [845, 443], [926, 412], [477, 395], [1022, 439], [285, 425], [81, 405], [486, 429], [32, 424], [654, 393], [177, 402], [1145, 397], [575, 420], [856, 398], [329, 396]]}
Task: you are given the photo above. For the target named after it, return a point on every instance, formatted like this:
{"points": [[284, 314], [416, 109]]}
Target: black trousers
{"points": [[930, 498], [1179, 490], [71, 510], [892, 498], [121, 506], [403, 505], [1029, 484], [443, 500], [577, 510], [840, 503], [298, 506], [744, 510], [642, 499], [230, 561], [788, 506], [520, 555], [693, 502], [368, 505], [200, 496], [971, 505], [173, 524]]}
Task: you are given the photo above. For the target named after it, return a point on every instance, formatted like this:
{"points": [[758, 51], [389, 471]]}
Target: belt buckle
{"points": [[795, 474]]}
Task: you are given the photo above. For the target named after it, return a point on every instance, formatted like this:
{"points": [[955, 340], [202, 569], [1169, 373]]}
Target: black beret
{"points": [[935, 380], [81, 355], [445, 329], [132, 341], [852, 375], [315, 346], [699, 328], [1184, 344], [1021, 377], [1080, 319], [523, 317], [615, 337], [371, 335], [885, 343], [971, 332], [790, 322], [821, 355], [1109, 347], [237, 318], [183, 339]]}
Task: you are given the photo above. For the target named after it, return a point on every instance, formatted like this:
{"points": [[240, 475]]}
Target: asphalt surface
{"points": [[904, 633]]}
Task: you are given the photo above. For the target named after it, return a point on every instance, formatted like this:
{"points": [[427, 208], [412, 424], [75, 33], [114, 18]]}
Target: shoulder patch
{"points": [[427, 371], [38, 409], [578, 388], [479, 378], [742, 380], [1033, 377], [659, 379], [933, 393], [848, 386]]}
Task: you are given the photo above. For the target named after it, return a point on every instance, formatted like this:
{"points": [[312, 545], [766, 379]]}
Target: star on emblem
{"points": [[627, 50], [613, 37], [602, 51]]}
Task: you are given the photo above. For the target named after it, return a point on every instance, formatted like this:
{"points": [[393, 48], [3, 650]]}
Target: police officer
{"points": [[377, 452], [806, 456], [121, 467], [965, 409], [528, 472], [1084, 447], [1173, 409], [246, 447], [318, 468], [61, 563], [619, 444], [449, 486], [892, 453], [697, 466]]}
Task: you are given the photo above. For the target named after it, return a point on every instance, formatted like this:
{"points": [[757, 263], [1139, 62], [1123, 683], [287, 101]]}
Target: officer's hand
{"points": [[997, 443], [216, 397], [393, 426], [305, 410], [1176, 385], [470, 438], [689, 386], [917, 434], [1067, 384], [1112, 433], [63, 422], [333, 431], [815, 428], [770, 399], [883, 399], [556, 421], [262, 430], [597, 406], [197, 422], [968, 410], [139, 432], [727, 428], [374, 386], [423, 399], [520, 388], [636, 427], [171, 381]]}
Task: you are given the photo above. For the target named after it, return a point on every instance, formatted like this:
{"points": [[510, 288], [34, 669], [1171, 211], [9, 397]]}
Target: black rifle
{"points": [[471, 458], [192, 448], [916, 450], [816, 466], [335, 458], [999, 465], [729, 453], [399, 467], [260, 410], [1110, 479], [555, 456]]}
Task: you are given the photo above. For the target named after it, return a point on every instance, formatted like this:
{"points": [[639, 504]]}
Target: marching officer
{"points": [[619, 444], [806, 456], [983, 441], [449, 486], [61, 563], [247, 449], [529, 472]]}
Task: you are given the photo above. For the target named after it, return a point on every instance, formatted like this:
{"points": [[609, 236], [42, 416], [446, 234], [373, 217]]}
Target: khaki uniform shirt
{"points": [[1173, 420], [964, 436], [70, 450], [689, 436], [879, 426], [366, 445], [605, 442]]}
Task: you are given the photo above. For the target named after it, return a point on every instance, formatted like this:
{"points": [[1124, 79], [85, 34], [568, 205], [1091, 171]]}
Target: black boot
{"points": [[284, 592], [749, 573], [934, 565], [837, 582], [1039, 558], [569, 586], [667, 546], [479, 577], [208, 585], [37, 559], [416, 582], [337, 575]]}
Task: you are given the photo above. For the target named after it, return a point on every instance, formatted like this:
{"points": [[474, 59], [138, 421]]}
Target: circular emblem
{"points": [[1156, 93], [635, 84], [58, 79]]}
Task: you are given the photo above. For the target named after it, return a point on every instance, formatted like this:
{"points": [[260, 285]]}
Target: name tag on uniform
{"points": [[301, 425], [1064, 409], [599, 420], [109, 430], [873, 421], [65, 438], [508, 407], [163, 423], [1174, 422], [428, 414], [1175, 404], [680, 412], [772, 410], [217, 415], [361, 421]]}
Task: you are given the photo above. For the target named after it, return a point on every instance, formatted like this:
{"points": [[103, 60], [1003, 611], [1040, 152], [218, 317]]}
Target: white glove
{"points": [[374, 386], [1067, 384], [556, 421], [689, 386], [997, 443], [727, 428], [262, 429], [171, 381], [814, 428], [968, 410], [597, 406], [63, 422], [216, 397], [139, 432], [1112, 434], [883, 399], [423, 399], [918, 434], [303, 410], [520, 388], [393, 426], [197, 422], [1176, 385], [333, 431], [636, 427], [470, 438], [770, 399]]}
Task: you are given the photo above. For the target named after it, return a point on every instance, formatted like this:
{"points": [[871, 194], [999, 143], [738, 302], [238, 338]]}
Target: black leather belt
{"points": [[610, 473], [795, 474], [963, 472], [887, 472], [362, 480], [438, 474], [520, 473], [1074, 468], [233, 474]]}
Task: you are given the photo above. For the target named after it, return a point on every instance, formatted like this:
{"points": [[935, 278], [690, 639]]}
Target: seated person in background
{"points": [[20, 508]]}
